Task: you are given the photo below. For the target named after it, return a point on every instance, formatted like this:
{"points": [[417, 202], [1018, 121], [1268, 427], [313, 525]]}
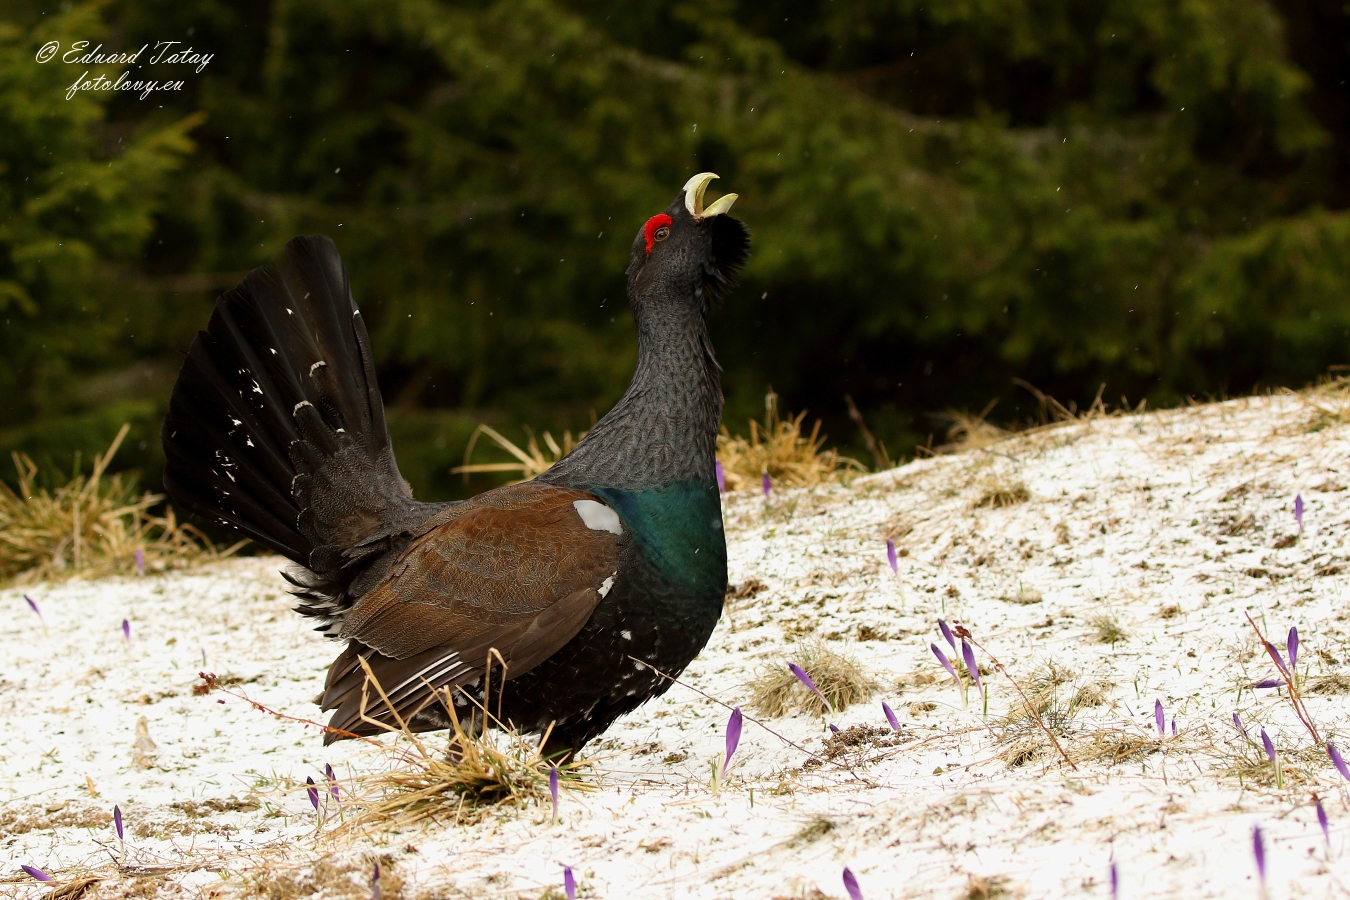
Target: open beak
{"points": [[693, 198]]}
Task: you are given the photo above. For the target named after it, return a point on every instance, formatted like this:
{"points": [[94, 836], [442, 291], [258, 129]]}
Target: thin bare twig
{"points": [[963, 632], [1295, 698]]}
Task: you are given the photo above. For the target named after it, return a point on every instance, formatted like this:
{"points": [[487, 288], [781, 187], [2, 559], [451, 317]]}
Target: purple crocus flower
{"points": [[1270, 683], [947, 633], [1174, 726], [1115, 881], [1242, 729], [1298, 511], [1267, 743], [946, 663], [764, 483], [1338, 761], [1291, 643], [117, 821], [1158, 717], [810, 685], [332, 779], [36, 873], [968, 657], [32, 604], [126, 631], [834, 729], [890, 716], [1275, 655], [851, 885], [553, 789], [733, 735], [1322, 820], [890, 556], [140, 562], [313, 792], [721, 476], [1259, 851], [375, 882], [569, 883]]}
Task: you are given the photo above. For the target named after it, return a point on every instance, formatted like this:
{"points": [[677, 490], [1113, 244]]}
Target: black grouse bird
{"points": [[612, 558]]}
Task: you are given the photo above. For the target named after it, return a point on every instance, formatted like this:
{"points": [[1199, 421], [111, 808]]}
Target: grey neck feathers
{"points": [[665, 427]]}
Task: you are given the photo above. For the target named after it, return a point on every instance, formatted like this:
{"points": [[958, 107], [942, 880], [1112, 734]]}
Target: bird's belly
{"points": [[645, 632]]}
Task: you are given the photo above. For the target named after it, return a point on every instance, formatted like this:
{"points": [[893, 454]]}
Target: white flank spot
{"points": [[598, 517], [316, 366], [300, 404], [627, 636], [606, 585]]}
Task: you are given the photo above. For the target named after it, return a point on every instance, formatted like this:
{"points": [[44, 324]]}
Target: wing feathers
{"points": [[516, 570]]}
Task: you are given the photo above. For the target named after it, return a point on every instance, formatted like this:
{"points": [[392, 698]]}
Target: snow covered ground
{"points": [[1106, 563]]}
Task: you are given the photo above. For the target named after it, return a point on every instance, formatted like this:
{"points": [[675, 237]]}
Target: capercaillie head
{"points": [[687, 254]]}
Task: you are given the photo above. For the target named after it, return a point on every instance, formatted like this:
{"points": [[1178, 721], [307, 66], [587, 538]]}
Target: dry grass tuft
{"points": [[1022, 732], [969, 432], [480, 769], [92, 525], [1327, 684], [779, 447], [330, 877], [531, 460], [990, 887], [1328, 405], [777, 692], [69, 814], [1114, 746], [1106, 629], [997, 493]]}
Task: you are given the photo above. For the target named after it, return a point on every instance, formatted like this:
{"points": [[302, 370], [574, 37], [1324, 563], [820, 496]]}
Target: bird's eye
{"points": [[656, 229]]}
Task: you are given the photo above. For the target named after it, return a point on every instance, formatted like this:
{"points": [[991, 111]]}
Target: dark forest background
{"points": [[1149, 194]]}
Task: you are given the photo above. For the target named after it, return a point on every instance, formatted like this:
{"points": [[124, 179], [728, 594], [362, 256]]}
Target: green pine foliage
{"points": [[943, 197]]}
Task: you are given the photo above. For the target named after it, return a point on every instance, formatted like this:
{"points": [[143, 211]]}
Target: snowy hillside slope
{"points": [[1107, 564]]}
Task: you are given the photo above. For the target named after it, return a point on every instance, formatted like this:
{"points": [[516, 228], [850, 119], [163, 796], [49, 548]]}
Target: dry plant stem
{"points": [[879, 458], [1295, 698], [673, 680], [212, 683], [964, 633]]}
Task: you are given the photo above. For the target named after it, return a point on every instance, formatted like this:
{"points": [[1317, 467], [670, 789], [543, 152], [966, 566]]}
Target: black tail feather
{"points": [[276, 427]]}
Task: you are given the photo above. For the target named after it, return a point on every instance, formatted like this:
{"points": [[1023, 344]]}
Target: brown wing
{"points": [[516, 570]]}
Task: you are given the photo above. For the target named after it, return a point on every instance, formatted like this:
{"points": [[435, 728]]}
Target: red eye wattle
{"points": [[656, 229]]}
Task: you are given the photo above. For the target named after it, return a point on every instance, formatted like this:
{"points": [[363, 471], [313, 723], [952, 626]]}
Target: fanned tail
{"points": [[276, 427]]}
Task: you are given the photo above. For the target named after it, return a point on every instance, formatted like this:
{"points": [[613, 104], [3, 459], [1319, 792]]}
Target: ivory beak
{"points": [[693, 198]]}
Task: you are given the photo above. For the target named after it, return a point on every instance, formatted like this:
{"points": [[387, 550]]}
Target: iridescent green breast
{"points": [[678, 527]]}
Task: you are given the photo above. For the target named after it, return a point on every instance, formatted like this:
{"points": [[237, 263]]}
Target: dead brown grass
{"points": [[777, 692], [1106, 629], [1328, 685], [1327, 405], [997, 492], [330, 877], [481, 768], [988, 887], [23, 819], [1114, 746], [778, 446], [968, 432], [530, 461], [91, 525]]}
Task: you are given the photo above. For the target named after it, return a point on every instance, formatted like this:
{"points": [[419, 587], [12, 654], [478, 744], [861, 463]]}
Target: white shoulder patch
{"points": [[598, 516]]}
